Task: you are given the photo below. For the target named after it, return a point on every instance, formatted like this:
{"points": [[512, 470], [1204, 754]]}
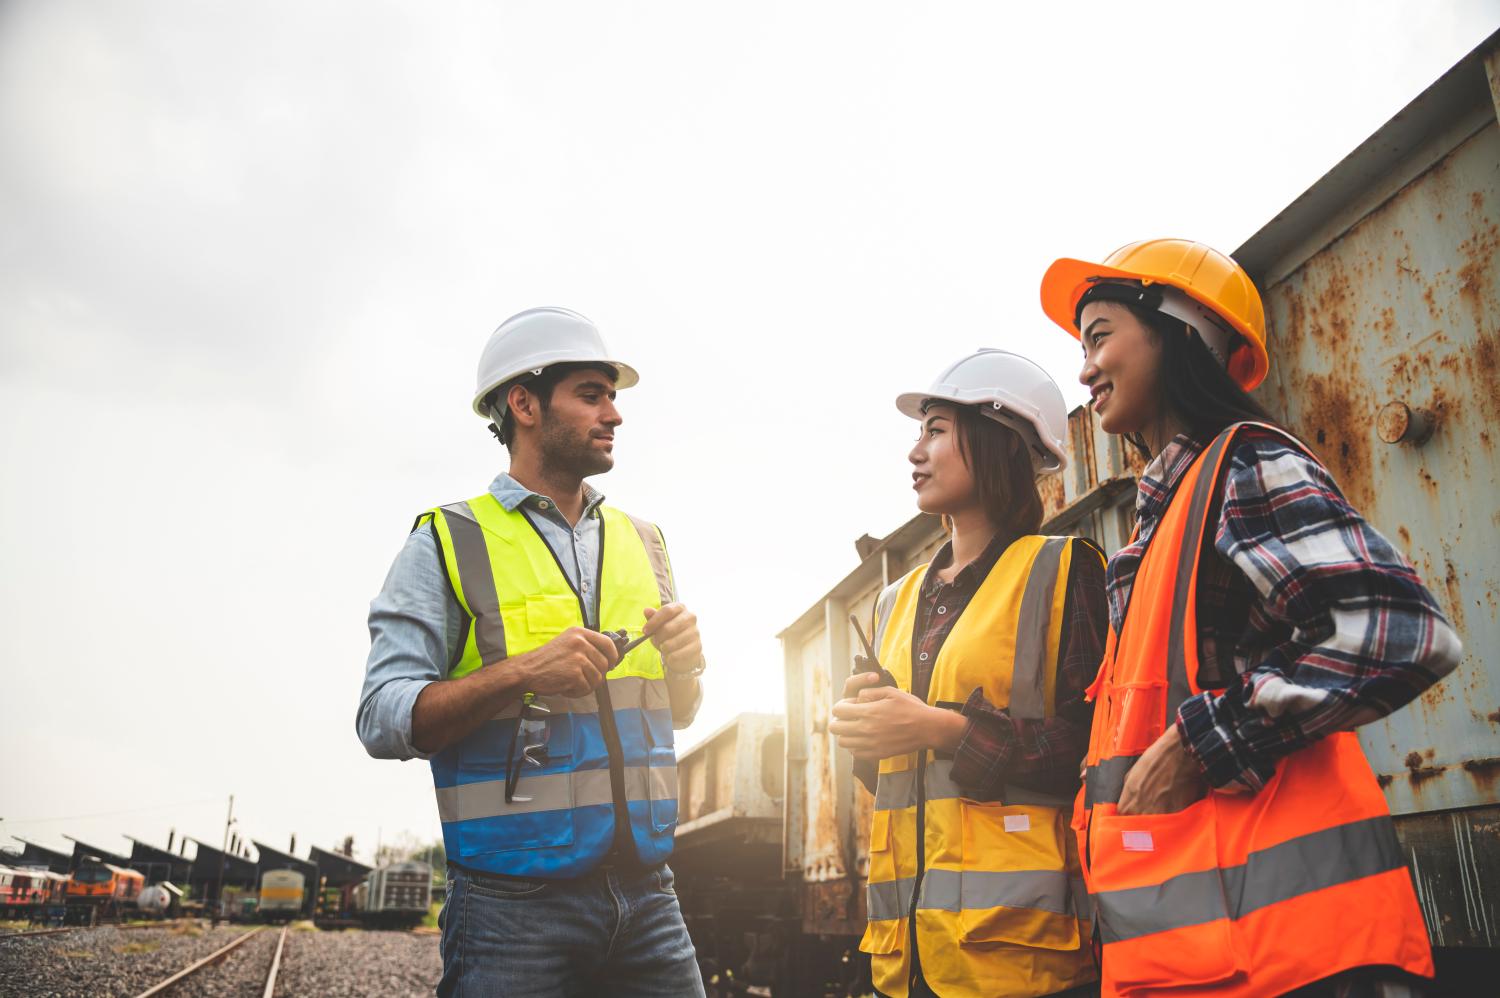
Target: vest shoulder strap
{"points": [[1202, 515], [656, 552], [1034, 669]]}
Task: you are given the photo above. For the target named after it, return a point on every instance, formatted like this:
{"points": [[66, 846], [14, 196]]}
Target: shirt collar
{"points": [[1163, 473], [975, 571], [511, 494]]}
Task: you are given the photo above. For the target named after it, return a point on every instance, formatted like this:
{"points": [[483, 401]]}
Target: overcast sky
{"points": [[249, 254]]}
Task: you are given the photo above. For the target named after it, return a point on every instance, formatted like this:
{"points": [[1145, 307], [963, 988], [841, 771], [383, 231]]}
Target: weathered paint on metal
{"points": [[1393, 323], [1454, 858], [722, 778]]}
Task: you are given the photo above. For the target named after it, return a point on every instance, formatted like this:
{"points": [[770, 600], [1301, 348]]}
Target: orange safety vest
{"points": [[1238, 894]]}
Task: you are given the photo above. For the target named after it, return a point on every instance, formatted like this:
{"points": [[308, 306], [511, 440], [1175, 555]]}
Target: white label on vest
{"points": [[1137, 842], [1018, 822]]}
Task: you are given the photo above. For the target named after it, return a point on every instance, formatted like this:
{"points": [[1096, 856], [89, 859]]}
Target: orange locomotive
{"points": [[105, 885]]}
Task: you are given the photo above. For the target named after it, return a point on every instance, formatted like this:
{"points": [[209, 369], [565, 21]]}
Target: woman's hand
{"points": [[882, 722], [1165, 780]]}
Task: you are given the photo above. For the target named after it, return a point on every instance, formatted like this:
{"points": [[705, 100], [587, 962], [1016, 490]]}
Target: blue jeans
{"points": [[612, 932]]}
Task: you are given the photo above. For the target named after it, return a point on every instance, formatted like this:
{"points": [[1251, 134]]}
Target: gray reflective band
{"points": [[896, 791], [477, 580], [891, 899], [1020, 795], [1028, 678], [1299, 866], [1039, 890], [553, 792], [555, 705], [1102, 783], [656, 552], [1178, 686], [626, 692], [883, 606]]}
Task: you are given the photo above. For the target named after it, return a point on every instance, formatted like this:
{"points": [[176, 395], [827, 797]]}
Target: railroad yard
{"points": [[230, 960]]}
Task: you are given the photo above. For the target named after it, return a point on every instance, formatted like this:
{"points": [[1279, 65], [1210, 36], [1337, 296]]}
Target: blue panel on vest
{"points": [[495, 845], [484, 753]]}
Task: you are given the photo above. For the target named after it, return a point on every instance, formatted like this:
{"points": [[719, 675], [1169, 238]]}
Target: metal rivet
{"points": [[1400, 423], [942, 609], [922, 657]]}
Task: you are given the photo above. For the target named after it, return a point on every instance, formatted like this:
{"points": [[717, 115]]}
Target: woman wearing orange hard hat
{"points": [[1233, 836]]}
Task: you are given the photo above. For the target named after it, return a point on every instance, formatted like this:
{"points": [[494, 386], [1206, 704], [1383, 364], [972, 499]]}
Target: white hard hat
{"points": [[535, 339], [1009, 389]]}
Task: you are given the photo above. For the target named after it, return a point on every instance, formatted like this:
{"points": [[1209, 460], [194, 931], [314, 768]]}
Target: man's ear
{"points": [[523, 405]]}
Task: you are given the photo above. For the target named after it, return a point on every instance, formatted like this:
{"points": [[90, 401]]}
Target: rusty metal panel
{"points": [[722, 779], [1454, 858], [1384, 347], [822, 857]]}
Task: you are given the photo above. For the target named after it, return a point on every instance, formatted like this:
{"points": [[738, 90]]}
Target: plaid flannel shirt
{"points": [[1316, 622], [997, 749]]}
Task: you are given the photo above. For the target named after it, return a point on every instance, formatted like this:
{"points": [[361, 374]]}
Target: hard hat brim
{"points": [[625, 377], [1067, 279], [910, 404]]}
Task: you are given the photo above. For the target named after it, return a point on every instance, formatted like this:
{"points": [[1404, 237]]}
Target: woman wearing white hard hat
{"points": [[979, 721]]}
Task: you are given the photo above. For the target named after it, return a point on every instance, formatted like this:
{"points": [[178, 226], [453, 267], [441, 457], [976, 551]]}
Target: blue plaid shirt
{"points": [[1319, 623]]}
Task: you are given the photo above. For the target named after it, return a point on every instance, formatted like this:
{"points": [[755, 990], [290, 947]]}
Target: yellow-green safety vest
{"points": [[608, 754]]}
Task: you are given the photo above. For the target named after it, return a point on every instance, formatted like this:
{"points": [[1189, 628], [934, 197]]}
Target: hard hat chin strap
{"points": [[1163, 298]]}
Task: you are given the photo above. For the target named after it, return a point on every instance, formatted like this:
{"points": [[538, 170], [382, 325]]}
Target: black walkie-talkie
{"points": [[886, 679]]}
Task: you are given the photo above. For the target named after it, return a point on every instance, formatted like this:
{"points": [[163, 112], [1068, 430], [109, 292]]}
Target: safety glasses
{"points": [[530, 735]]}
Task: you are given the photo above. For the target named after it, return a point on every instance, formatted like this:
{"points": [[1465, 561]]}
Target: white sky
{"points": [[249, 254]]}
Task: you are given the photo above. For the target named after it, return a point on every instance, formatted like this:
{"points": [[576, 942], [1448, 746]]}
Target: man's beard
{"points": [[573, 455]]}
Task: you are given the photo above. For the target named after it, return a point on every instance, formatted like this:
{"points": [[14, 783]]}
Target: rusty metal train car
{"points": [[1382, 288]]}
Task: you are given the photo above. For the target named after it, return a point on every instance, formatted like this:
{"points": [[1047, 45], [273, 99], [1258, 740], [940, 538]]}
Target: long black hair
{"points": [[1195, 387]]}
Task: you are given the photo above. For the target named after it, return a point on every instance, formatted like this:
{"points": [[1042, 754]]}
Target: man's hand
{"points": [[1165, 780], [674, 631], [570, 665], [884, 722]]}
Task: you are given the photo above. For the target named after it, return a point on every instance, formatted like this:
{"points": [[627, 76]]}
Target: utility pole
{"points": [[223, 852]]}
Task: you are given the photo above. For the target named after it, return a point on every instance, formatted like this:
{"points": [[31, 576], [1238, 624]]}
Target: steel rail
{"points": [[191, 969], [37, 932], [270, 989]]}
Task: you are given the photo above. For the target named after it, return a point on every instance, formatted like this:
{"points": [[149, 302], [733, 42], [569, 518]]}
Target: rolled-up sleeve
{"points": [[1363, 636], [415, 626]]}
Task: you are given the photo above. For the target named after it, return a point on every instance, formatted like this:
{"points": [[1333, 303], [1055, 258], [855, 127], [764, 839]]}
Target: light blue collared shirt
{"points": [[416, 623]]}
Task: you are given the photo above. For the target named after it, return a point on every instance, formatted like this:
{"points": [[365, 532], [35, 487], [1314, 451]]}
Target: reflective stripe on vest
{"points": [[1238, 894], [601, 754], [989, 892]]}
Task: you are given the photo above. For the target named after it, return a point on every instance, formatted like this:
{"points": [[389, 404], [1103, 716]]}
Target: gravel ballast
{"points": [[108, 961]]}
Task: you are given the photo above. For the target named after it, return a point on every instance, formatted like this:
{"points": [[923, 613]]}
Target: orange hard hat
{"points": [[1209, 277]]}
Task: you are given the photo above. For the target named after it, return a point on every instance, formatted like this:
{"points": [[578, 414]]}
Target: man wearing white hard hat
{"points": [[529, 643]]}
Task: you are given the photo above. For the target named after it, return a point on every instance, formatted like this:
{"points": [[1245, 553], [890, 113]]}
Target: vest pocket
{"points": [[491, 825], [1015, 886], [661, 778], [884, 937], [549, 615], [1137, 710], [1160, 899]]}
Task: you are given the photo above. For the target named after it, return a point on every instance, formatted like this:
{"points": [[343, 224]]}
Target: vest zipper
{"points": [[607, 724]]}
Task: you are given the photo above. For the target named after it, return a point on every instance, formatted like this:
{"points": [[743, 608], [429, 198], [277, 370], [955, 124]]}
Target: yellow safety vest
{"points": [[994, 886]]}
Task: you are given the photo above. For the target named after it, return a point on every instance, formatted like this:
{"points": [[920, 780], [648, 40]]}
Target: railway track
{"points": [[268, 989], [33, 933]]}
